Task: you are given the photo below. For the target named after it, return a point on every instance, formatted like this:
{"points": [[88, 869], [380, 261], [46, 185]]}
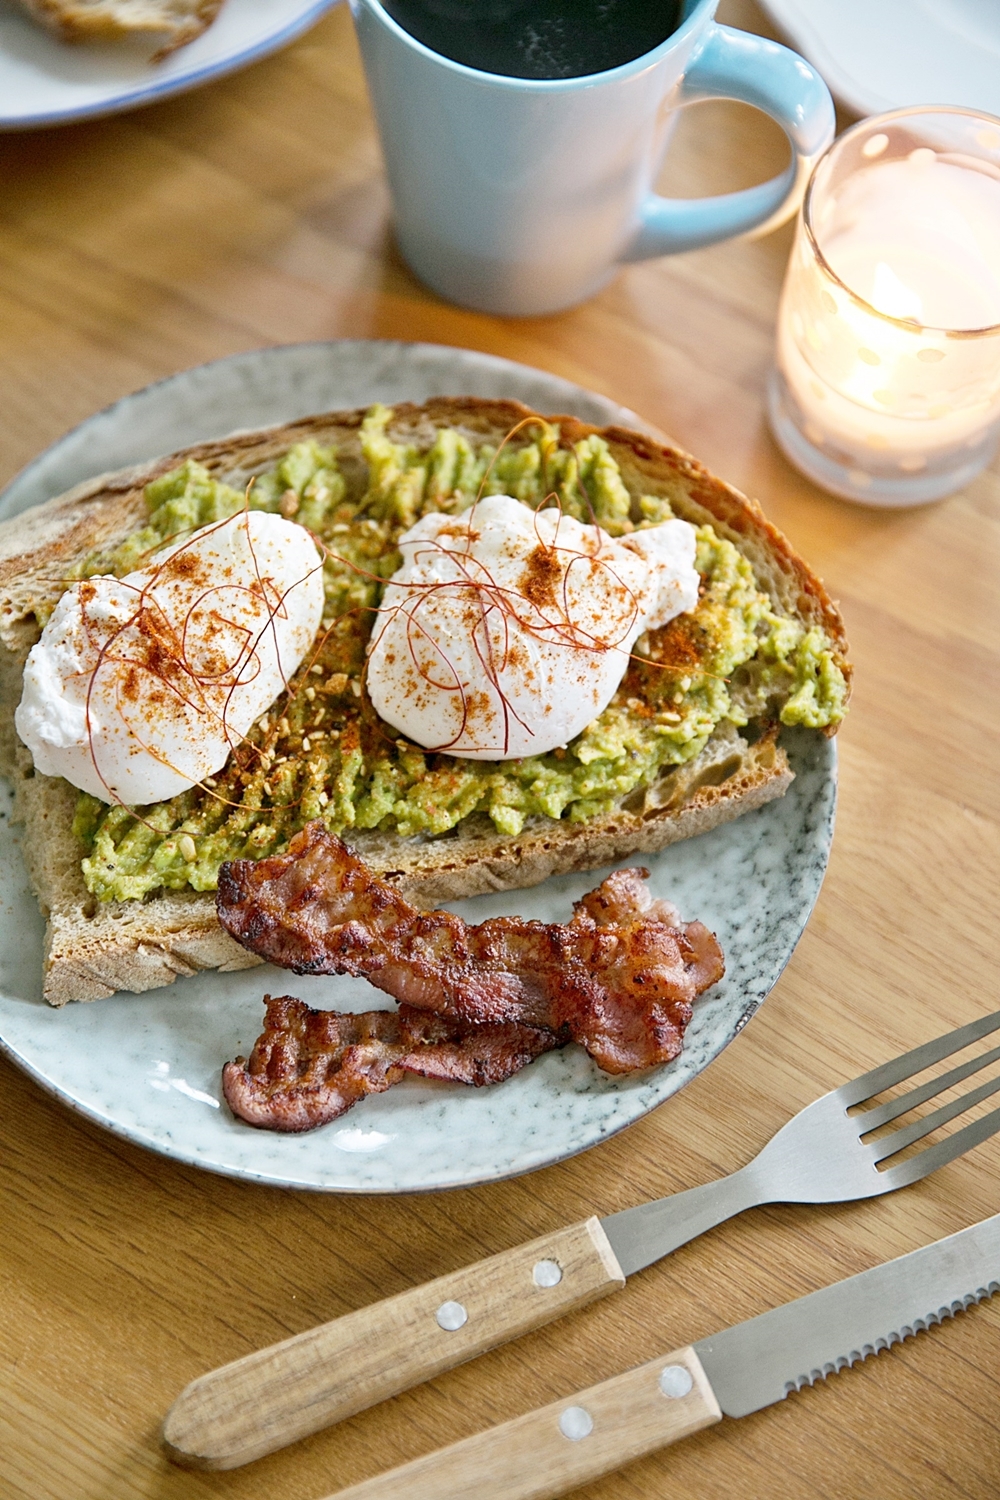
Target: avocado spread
{"points": [[320, 752]]}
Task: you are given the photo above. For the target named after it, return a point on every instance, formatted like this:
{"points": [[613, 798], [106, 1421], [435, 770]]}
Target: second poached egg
{"points": [[506, 631]]}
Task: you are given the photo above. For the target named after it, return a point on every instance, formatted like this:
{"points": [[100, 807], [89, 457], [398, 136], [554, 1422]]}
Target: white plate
{"points": [[148, 1066], [886, 54], [44, 81]]}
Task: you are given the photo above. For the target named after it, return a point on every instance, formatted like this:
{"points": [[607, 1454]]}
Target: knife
{"points": [[740, 1370]]}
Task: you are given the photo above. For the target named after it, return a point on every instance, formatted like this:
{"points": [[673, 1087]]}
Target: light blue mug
{"points": [[523, 196]]}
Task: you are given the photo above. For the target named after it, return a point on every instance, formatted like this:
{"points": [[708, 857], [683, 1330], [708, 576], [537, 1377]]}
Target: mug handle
{"points": [[735, 64]]}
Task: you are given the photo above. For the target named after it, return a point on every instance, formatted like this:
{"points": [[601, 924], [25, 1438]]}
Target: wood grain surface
{"points": [[255, 212]]}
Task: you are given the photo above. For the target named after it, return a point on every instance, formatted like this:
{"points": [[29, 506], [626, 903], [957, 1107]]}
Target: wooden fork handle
{"points": [[271, 1398], [547, 1452]]}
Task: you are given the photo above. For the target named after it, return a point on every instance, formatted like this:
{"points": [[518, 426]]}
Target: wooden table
{"points": [[255, 212]]}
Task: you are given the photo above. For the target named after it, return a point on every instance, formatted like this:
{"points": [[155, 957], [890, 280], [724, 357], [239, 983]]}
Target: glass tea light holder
{"points": [[886, 387]]}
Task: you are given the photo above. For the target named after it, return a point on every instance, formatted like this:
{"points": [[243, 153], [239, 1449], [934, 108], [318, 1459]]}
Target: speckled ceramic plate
{"points": [[44, 81], [148, 1066]]}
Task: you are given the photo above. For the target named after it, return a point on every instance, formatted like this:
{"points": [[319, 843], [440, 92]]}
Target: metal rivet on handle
{"points": [[451, 1316], [576, 1423], [546, 1273], [675, 1381]]}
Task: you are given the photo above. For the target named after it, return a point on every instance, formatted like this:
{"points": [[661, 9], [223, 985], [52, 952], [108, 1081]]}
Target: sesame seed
{"points": [[316, 669], [310, 693], [188, 848], [356, 687], [283, 727], [306, 745], [323, 799]]}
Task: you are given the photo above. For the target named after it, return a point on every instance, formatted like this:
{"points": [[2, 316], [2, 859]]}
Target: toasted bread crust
{"points": [[95, 20], [94, 949]]}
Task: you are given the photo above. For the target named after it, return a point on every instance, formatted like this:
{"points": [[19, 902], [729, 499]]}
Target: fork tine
{"points": [[901, 1068], [873, 1119], [945, 1151], [900, 1139]]}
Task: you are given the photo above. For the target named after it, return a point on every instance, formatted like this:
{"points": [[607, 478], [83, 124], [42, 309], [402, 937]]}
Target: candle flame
{"points": [[893, 297]]}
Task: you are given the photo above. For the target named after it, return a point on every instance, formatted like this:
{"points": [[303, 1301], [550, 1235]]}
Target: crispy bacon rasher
{"points": [[619, 978], [309, 1066]]}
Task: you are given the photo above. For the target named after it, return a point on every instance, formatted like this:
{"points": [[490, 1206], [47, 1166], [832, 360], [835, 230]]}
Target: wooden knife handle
{"points": [[552, 1450], [270, 1398]]}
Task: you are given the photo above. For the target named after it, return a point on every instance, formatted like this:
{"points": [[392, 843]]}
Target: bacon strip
{"points": [[620, 978], [309, 1066]]}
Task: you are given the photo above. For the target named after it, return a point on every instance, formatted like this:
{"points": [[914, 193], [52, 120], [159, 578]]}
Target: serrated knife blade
{"points": [[756, 1363]]}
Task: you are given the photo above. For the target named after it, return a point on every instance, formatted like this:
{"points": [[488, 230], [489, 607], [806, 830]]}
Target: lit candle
{"points": [[887, 386]]}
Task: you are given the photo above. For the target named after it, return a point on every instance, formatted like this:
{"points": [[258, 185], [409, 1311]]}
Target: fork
{"points": [[823, 1155]]}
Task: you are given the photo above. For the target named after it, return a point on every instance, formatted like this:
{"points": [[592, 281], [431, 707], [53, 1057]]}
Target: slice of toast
{"points": [[177, 21], [94, 949]]}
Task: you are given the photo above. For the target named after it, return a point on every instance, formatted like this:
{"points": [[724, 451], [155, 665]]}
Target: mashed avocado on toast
{"points": [[321, 752]]}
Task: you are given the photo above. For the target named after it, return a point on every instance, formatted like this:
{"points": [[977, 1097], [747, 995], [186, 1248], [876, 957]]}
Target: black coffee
{"points": [[538, 38]]}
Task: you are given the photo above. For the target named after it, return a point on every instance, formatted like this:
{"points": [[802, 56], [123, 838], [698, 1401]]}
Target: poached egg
{"points": [[141, 686], [506, 631]]}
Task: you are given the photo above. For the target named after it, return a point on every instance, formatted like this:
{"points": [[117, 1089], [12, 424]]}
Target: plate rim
{"points": [[621, 413], [143, 94], [166, 1147], [797, 22]]}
